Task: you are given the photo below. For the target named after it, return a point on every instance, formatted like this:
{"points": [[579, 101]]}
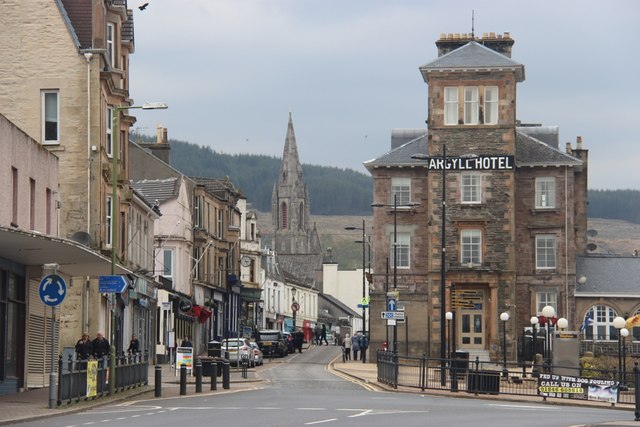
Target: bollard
{"points": [[214, 375], [183, 379], [636, 382], [226, 374], [198, 375], [158, 381]]}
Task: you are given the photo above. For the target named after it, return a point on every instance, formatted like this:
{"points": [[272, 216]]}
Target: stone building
{"points": [[486, 215]]}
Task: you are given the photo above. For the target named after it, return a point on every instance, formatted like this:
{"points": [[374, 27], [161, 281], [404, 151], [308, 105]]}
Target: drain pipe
{"points": [[85, 302]]}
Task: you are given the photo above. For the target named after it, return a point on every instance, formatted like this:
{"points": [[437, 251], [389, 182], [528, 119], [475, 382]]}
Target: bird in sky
{"points": [[143, 6]]}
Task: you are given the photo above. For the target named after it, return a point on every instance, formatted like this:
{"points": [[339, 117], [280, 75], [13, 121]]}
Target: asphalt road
{"points": [[301, 391]]}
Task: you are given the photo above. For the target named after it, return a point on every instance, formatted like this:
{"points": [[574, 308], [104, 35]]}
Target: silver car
{"points": [[258, 358], [235, 348]]}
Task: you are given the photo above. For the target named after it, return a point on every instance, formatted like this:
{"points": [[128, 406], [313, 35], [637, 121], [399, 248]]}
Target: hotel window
{"points": [[546, 298], [50, 117], [545, 193], [450, 105], [545, 251], [108, 221], [491, 105], [471, 190], [109, 128], [402, 250], [111, 31], [471, 247], [470, 105], [401, 191]]}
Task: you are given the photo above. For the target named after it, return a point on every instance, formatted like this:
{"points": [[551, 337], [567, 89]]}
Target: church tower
{"points": [[296, 243]]}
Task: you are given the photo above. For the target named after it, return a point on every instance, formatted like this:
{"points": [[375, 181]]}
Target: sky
{"points": [[231, 71]]}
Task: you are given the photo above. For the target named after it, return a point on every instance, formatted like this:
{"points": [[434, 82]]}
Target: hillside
{"points": [[613, 236]]}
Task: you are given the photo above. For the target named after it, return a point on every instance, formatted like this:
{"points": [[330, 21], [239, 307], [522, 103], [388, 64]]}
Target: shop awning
{"points": [[34, 249], [251, 294]]}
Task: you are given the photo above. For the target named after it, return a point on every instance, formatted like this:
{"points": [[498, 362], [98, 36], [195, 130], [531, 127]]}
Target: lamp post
{"points": [[114, 215], [449, 316], [548, 312], [619, 323], [534, 344], [364, 291], [624, 332], [505, 318], [395, 207], [294, 308]]}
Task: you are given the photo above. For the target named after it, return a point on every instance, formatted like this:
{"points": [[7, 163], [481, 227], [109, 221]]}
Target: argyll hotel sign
{"points": [[479, 163]]}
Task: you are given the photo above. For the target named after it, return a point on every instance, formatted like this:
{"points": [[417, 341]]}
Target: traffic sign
{"points": [[295, 306], [392, 304], [52, 290], [112, 284], [397, 315], [365, 301]]}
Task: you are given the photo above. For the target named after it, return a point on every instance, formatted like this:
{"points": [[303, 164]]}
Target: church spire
{"points": [[290, 168]]}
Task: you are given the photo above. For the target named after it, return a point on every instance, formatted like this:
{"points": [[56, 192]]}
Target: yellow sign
{"points": [[92, 378], [365, 301], [557, 389]]}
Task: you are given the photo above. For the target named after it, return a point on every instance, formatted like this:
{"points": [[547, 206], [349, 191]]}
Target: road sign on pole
{"points": [[397, 315], [52, 290], [392, 304], [112, 284]]}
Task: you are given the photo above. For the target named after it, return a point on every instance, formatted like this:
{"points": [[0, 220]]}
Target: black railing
{"points": [[131, 371], [478, 377]]}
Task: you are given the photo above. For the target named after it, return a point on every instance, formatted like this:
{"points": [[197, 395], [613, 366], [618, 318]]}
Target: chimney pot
{"points": [[569, 148], [578, 143], [484, 35]]}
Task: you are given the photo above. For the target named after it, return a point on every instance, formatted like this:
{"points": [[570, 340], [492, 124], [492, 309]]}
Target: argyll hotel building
{"points": [[514, 202]]}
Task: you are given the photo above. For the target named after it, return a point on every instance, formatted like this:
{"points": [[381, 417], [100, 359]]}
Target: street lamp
{"points": [[505, 318], [114, 216], [395, 207], [534, 344], [364, 294], [548, 312], [624, 332], [619, 323], [562, 323], [449, 316]]}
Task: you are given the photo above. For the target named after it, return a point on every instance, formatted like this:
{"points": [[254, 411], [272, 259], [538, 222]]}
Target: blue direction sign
{"points": [[392, 305], [112, 284], [52, 290]]}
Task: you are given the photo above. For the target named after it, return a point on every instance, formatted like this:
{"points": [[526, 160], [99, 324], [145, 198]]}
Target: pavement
{"points": [[33, 404]]}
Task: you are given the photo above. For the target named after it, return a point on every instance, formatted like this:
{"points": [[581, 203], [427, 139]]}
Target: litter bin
{"points": [[460, 362], [207, 363], [485, 382], [214, 349]]}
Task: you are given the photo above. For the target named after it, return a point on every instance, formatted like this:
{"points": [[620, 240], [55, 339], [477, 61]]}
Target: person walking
{"points": [[186, 342], [364, 344], [347, 347], [298, 339], [134, 345], [316, 334], [101, 346], [84, 347], [355, 346], [323, 335]]}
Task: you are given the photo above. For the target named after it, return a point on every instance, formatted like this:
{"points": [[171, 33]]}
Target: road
{"points": [[301, 391]]}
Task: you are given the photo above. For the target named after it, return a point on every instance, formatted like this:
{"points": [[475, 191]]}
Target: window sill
{"points": [[538, 211]]}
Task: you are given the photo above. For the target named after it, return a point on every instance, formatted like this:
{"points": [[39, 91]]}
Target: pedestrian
{"points": [[134, 345], [355, 346], [364, 344], [101, 346], [316, 334], [347, 347], [298, 339], [323, 335], [84, 347], [186, 342]]}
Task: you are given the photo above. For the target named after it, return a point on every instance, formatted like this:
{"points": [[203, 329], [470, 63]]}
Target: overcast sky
{"points": [[232, 70]]}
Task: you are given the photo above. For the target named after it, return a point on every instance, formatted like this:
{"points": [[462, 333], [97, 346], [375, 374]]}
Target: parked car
{"points": [[235, 348], [271, 342], [288, 339], [257, 354]]}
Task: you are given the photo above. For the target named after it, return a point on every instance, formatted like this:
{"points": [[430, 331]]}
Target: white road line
{"points": [[550, 408], [267, 408], [321, 421], [311, 409], [361, 414]]}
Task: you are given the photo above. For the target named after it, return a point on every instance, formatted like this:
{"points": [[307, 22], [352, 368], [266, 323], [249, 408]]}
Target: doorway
{"points": [[471, 329]]}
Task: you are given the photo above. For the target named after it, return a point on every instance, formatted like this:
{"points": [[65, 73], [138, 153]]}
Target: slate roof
{"points": [[150, 203], [533, 152], [608, 275], [401, 156], [473, 56], [550, 135], [157, 189], [219, 187], [78, 17], [340, 305]]}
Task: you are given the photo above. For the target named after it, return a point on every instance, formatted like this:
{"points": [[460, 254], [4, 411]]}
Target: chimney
{"points": [[578, 143], [161, 148], [161, 136], [501, 43], [569, 149]]}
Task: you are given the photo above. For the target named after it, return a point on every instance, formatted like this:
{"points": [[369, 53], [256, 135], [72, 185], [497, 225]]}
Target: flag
{"points": [[588, 321], [633, 321]]}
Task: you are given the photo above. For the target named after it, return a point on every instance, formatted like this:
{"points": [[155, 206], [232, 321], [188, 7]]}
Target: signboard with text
{"points": [[568, 387], [479, 163], [184, 355]]}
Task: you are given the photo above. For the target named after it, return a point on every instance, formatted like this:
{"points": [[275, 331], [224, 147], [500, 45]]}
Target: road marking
{"points": [[311, 409], [321, 421], [362, 413], [551, 408], [267, 408]]}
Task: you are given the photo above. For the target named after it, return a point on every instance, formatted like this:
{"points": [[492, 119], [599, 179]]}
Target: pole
{"points": [[395, 266], [443, 336], [52, 373], [364, 308], [386, 292], [619, 357], [505, 372]]}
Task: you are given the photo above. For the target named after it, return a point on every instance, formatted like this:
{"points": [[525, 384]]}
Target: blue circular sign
{"points": [[52, 290]]}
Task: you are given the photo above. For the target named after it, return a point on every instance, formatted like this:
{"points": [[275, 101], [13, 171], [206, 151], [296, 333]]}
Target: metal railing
{"points": [[462, 375], [131, 371]]}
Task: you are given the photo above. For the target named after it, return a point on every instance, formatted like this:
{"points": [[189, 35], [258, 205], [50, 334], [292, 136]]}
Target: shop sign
{"points": [[567, 387], [479, 163]]}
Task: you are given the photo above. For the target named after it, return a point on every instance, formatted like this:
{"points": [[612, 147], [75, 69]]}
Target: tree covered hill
{"points": [[335, 191]]}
